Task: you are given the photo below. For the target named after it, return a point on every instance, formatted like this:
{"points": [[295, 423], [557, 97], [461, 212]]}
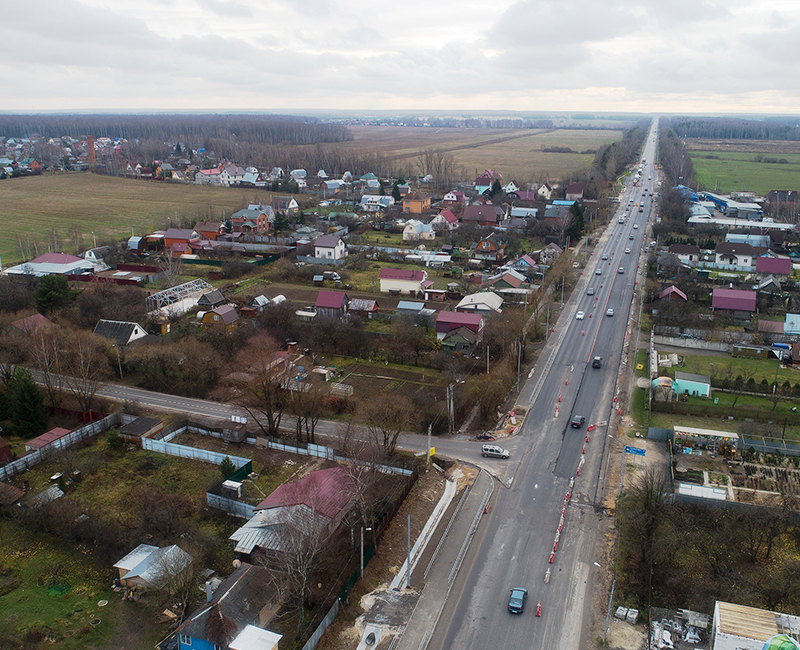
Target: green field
{"points": [[729, 171], [32, 207]]}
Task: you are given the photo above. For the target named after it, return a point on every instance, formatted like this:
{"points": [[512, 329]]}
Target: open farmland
{"points": [[732, 165], [31, 207], [514, 153]]}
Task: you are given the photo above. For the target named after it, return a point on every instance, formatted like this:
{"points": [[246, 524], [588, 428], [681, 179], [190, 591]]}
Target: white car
{"points": [[609, 312], [598, 272], [636, 226], [604, 257], [579, 315], [627, 250]]}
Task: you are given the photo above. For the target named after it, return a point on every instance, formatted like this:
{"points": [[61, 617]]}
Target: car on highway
{"points": [[577, 421], [494, 451], [641, 208], [636, 226], [598, 272], [609, 312], [621, 220], [604, 256], [516, 600], [590, 291], [579, 315], [630, 237], [597, 362], [620, 270], [627, 250]]}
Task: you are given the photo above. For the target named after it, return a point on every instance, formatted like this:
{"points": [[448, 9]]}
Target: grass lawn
{"points": [[57, 590], [724, 365], [393, 240], [735, 170], [109, 206]]}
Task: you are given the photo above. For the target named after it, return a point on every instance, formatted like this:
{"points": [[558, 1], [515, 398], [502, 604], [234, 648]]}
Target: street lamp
{"points": [[362, 550]]}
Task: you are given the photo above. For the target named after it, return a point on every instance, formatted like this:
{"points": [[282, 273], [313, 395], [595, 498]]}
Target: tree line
{"points": [[734, 128]]}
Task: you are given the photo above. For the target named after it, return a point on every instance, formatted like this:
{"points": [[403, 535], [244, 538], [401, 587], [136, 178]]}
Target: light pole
{"points": [[119, 361], [362, 551]]}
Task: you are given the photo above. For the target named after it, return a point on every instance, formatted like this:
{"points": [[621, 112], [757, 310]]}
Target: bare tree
{"points": [[171, 267], [86, 366], [387, 416], [46, 353], [264, 396], [12, 350], [309, 407]]}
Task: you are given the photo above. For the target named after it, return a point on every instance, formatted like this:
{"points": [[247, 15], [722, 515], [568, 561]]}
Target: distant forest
{"points": [[729, 128], [190, 129]]}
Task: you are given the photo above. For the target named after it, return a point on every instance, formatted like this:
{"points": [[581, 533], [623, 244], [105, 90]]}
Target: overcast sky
{"points": [[671, 56]]}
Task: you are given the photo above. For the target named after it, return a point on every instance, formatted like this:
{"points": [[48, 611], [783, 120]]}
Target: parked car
{"points": [[577, 421], [485, 436], [516, 600], [494, 451]]}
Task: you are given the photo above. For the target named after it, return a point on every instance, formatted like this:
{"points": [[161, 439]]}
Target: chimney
{"points": [[209, 591]]}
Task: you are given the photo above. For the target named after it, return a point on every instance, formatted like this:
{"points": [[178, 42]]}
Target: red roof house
{"points": [[6, 455], [733, 300], [327, 491], [450, 320], [672, 293], [332, 304], [32, 324], [774, 265], [483, 215], [402, 280]]}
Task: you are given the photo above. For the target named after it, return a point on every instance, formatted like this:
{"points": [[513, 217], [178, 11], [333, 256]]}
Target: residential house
{"points": [[485, 181], [245, 598], [180, 236], [224, 318], [528, 196], [6, 455], [330, 247], [523, 213], [672, 293], [769, 284], [319, 501], [285, 204], [149, 567], [253, 177], [550, 253], [276, 174], [259, 303], [490, 249], [686, 253], [254, 638], [510, 187], [545, 191], [33, 324], [332, 304], [120, 332], [483, 302], [413, 309], [208, 177], [363, 307], [332, 185], [740, 627], [444, 221], [375, 202], [53, 264], [525, 264], [574, 192], [402, 281], [298, 175], [209, 230], [737, 302], [97, 255], [254, 218], [483, 215], [415, 230], [446, 321], [416, 203], [454, 199], [231, 175], [461, 340], [510, 279], [556, 214], [211, 299], [687, 383], [736, 255], [773, 265]]}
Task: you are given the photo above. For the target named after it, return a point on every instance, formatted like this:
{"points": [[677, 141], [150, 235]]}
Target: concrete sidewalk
{"points": [[446, 551]]}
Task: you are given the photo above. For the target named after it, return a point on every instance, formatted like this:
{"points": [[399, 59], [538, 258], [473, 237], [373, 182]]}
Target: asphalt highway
{"points": [[514, 544]]}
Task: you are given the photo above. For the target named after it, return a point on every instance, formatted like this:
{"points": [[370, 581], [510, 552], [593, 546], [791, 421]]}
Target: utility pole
{"points": [[519, 360], [562, 292], [428, 454], [408, 550], [487, 358]]}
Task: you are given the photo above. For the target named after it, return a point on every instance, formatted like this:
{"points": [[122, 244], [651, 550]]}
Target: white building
{"points": [[417, 231], [376, 202], [330, 247], [737, 627]]}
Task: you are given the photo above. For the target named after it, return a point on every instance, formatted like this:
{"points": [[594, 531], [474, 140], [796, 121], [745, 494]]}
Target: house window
{"points": [[185, 640]]}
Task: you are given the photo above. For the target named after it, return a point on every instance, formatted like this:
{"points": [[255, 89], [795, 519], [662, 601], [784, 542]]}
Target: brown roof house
{"points": [[402, 281], [737, 302], [574, 192], [483, 215], [209, 229], [224, 318], [416, 203]]}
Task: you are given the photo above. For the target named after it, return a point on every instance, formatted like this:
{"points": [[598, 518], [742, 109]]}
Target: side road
{"points": [[437, 575]]}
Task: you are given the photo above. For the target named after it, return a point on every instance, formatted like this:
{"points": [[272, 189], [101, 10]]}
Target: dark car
{"points": [[485, 436], [516, 601], [597, 362], [577, 421]]}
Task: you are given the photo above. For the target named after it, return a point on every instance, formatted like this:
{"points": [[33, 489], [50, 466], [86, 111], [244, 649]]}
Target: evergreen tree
{"points": [[226, 467], [496, 188], [177, 148], [281, 222], [29, 416], [576, 228], [52, 292], [396, 194]]}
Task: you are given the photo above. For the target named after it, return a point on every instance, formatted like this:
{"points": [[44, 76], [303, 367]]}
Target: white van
{"points": [[494, 451]]}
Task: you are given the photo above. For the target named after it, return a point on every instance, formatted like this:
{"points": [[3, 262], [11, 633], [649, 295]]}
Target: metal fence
{"points": [[231, 506], [182, 451], [329, 618], [84, 433]]}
